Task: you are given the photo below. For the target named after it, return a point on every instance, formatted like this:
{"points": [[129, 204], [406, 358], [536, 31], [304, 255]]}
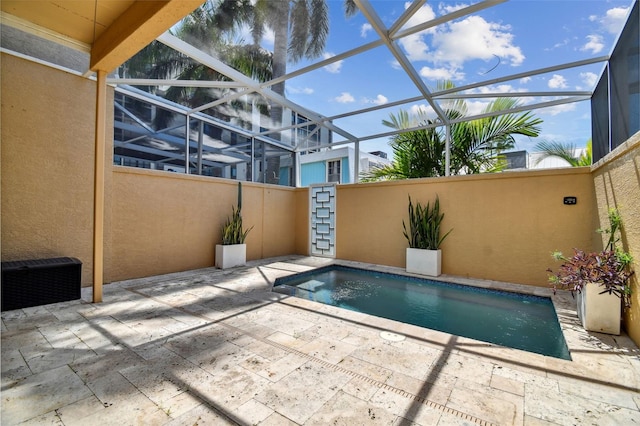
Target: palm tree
{"points": [[475, 145], [300, 30], [203, 28], [567, 152]]}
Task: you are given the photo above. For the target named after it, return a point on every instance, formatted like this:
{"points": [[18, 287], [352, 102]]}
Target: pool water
{"points": [[514, 320]]}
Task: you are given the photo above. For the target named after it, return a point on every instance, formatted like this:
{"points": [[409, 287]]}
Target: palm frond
{"points": [[558, 150]]}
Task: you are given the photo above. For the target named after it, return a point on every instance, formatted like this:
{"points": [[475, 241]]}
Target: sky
{"points": [[505, 39]]}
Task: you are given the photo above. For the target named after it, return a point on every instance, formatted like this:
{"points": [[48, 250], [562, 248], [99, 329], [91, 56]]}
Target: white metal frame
{"points": [[388, 37]]}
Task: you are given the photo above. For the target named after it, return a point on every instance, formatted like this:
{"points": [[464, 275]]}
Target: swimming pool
{"points": [[514, 320]]}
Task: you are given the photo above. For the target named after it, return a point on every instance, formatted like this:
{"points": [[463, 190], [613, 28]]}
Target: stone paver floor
{"points": [[218, 347]]}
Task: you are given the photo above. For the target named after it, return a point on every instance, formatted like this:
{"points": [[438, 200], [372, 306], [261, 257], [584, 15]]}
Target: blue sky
{"points": [[509, 38]]}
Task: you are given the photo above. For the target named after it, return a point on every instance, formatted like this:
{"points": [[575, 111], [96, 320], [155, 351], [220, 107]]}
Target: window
{"points": [[333, 171]]}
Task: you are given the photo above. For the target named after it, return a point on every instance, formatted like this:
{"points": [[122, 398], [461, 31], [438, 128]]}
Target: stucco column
{"points": [[98, 182]]}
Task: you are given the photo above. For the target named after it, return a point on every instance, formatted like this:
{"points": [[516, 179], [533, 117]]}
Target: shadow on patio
{"points": [[217, 347]]}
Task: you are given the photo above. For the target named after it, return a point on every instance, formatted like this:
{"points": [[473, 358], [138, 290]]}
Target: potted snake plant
{"points": [[424, 255], [233, 250]]}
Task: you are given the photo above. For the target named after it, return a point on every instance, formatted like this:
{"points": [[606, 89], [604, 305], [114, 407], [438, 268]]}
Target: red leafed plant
{"points": [[606, 269], [609, 269]]}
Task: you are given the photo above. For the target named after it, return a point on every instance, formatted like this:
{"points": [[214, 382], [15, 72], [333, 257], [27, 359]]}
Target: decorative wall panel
{"points": [[323, 220]]}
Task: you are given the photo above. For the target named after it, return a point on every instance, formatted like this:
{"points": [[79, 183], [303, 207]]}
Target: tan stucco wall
{"points": [[616, 180], [505, 226], [166, 222], [48, 122], [302, 221]]}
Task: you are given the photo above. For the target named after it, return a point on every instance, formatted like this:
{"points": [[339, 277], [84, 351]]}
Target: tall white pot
{"points": [[228, 256], [424, 262], [599, 312]]}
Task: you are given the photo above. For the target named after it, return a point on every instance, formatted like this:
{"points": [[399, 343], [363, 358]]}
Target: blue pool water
{"points": [[508, 319]]}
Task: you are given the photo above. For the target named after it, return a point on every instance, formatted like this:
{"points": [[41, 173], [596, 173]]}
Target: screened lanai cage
{"points": [[245, 93], [258, 92]]}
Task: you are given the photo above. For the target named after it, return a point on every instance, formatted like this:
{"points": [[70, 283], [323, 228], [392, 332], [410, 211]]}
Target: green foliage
{"points": [[208, 28], [420, 149], [424, 226], [232, 230], [615, 223], [565, 152], [610, 268]]}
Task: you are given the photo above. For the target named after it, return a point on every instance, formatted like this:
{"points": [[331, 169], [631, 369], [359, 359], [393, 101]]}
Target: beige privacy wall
{"points": [[505, 226], [617, 184], [155, 222], [166, 222], [48, 121]]}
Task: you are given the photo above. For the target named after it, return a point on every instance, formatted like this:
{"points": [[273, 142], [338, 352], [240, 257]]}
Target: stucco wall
{"points": [[166, 222], [616, 180], [302, 221], [48, 122], [505, 226]]}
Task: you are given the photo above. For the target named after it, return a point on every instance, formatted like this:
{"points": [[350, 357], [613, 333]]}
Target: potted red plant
{"points": [[600, 280]]}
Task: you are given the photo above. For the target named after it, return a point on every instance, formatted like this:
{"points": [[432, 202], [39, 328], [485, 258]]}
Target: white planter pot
{"points": [[424, 262], [599, 312], [230, 255]]}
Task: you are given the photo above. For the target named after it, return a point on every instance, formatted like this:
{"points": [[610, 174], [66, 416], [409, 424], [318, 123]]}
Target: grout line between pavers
{"points": [[380, 385]]}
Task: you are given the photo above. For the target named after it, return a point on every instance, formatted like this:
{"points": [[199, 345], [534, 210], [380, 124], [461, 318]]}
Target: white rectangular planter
{"points": [[424, 262], [230, 255], [599, 312]]}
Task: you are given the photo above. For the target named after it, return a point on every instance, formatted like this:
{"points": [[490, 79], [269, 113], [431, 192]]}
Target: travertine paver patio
{"points": [[217, 347]]}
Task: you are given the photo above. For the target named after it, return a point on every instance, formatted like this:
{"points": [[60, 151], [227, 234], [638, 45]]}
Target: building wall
{"points": [[616, 179], [313, 173], [345, 173], [48, 122], [505, 226], [166, 222]]}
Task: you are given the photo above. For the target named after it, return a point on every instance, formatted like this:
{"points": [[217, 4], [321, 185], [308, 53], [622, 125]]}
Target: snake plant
{"points": [[424, 226], [232, 232]]}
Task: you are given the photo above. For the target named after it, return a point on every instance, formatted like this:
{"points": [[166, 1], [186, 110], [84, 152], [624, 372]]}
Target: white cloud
{"points": [[557, 109], [364, 30], [417, 110], [300, 90], [414, 44], [594, 44], [589, 79], [557, 82], [441, 74], [268, 37], [564, 42], [379, 100], [501, 88], [475, 38], [614, 19], [422, 15], [476, 107], [335, 67], [415, 47], [525, 80], [344, 98], [448, 8]]}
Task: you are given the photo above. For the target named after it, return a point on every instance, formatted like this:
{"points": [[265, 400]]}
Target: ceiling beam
{"points": [[135, 28]]}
